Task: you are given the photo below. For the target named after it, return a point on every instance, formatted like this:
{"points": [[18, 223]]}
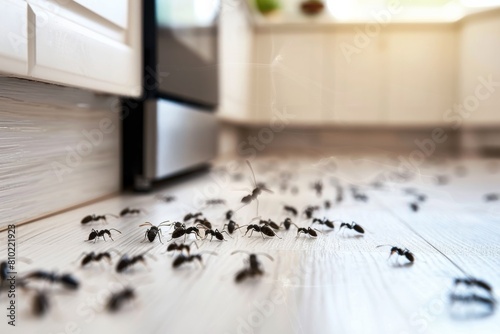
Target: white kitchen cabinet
{"points": [[13, 35], [288, 75], [82, 43], [354, 79], [479, 63], [420, 74]]}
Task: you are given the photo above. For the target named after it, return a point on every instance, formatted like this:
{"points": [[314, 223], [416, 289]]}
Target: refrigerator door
{"points": [[179, 137]]}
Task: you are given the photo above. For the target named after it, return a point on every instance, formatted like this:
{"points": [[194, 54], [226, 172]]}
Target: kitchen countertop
{"points": [[338, 282]]}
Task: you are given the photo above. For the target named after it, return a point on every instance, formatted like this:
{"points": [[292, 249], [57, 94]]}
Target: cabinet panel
{"points": [[356, 81], [289, 75], [13, 37], [480, 57], [421, 75], [115, 11]]}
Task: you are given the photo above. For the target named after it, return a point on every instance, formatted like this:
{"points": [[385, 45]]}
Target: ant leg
{"points": [[145, 235], [159, 238]]}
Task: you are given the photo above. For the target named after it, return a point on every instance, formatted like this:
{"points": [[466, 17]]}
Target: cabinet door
{"points": [[355, 79], [13, 37], [421, 74], [480, 62], [288, 75]]}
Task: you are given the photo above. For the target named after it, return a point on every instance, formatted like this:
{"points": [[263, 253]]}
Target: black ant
{"points": [[126, 262], [217, 234], [287, 223], [264, 230], [203, 222], [4, 271], [474, 282], [231, 226], [328, 204], [180, 247], [353, 226], [182, 230], [318, 187], [94, 218], [93, 257], [154, 231], [215, 201], [166, 198], [491, 197], [254, 267], [307, 231], [340, 195], [181, 259], [489, 301], [117, 299], [291, 210], [270, 223], [414, 207], [40, 304], [190, 216], [96, 234], [258, 188], [310, 210], [358, 196], [401, 252], [130, 211], [67, 280], [229, 214], [324, 221]]}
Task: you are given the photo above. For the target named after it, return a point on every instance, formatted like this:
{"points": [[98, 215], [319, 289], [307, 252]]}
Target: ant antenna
{"points": [[253, 174]]}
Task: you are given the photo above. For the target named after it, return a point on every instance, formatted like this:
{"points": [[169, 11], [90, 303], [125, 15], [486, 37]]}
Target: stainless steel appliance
{"points": [[172, 128]]}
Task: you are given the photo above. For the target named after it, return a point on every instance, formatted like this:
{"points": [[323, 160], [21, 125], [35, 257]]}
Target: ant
{"points": [[470, 281], [491, 197], [310, 210], [130, 211], [359, 196], [353, 226], [154, 231], [307, 231], [126, 262], [180, 247], [328, 204], [96, 234], [318, 187], [340, 195], [254, 267], [203, 222], [93, 257], [117, 299], [217, 234], [290, 209], [414, 207], [264, 230], [166, 198], [258, 188], [229, 214], [270, 223], [181, 259], [490, 301], [287, 223], [401, 252], [231, 226], [324, 221], [215, 201], [190, 216], [40, 304], [182, 230], [94, 218], [67, 281]]}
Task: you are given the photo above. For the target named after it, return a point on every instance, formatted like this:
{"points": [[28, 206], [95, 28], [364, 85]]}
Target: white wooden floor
{"points": [[337, 283]]}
